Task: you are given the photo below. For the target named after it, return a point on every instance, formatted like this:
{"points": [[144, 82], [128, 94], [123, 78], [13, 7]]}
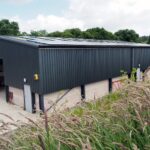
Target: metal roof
{"points": [[48, 42]]}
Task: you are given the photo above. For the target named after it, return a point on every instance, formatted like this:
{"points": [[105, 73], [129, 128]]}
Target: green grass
{"points": [[118, 121]]}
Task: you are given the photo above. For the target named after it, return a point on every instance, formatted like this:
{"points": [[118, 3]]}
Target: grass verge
{"points": [[120, 120]]}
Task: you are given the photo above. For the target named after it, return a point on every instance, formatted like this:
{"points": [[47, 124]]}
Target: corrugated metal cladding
{"points": [[62, 68], [141, 56], [20, 61], [63, 64]]}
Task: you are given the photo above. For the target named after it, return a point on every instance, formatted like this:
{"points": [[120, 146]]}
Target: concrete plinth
{"points": [[96, 90], [16, 96]]}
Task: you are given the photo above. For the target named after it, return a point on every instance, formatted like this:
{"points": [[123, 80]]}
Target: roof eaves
{"points": [[12, 40]]}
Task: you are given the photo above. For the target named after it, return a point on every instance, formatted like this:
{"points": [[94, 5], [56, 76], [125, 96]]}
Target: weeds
{"points": [[119, 121]]}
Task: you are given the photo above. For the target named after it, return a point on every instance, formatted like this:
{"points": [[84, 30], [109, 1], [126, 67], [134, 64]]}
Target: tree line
{"points": [[12, 28]]}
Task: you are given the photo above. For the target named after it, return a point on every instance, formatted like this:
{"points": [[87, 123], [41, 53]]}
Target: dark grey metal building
{"points": [[53, 64]]}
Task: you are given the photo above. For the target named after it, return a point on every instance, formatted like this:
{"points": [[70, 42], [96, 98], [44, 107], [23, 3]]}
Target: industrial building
{"points": [[47, 65]]}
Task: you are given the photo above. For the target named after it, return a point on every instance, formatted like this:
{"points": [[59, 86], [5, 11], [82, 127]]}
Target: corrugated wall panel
{"points": [[63, 68], [20, 61], [142, 57]]}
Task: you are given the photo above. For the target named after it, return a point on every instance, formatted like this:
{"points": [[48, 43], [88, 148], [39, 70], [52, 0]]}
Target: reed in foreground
{"points": [[120, 120]]}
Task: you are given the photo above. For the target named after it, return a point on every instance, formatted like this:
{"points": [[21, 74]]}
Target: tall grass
{"points": [[119, 121]]}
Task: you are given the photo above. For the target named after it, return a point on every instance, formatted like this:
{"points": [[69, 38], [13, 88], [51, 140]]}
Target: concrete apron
{"points": [[93, 91], [12, 116]]}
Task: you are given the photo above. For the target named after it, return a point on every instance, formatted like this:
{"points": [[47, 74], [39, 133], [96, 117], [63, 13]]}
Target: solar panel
{"points": [[70, 41]]}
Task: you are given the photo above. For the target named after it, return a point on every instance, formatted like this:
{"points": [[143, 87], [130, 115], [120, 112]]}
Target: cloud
{"points": [[110, 14], [50, 23]]}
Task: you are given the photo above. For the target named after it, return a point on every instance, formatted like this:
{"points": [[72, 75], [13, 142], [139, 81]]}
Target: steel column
{"points": [[82, 92], [33, 103], [41, 103], [110, 84], [7, 93]]}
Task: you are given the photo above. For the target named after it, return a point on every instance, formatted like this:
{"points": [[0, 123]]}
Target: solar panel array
{"points": [[71, 41]]}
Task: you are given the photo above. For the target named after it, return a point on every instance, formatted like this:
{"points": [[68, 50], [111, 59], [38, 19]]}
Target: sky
{"points": [[58, 15]]}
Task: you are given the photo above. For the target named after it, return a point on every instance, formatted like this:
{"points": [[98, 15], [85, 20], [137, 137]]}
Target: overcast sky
{"points": [[55, 15]]}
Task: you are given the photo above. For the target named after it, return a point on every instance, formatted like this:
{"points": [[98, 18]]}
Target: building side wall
{"points": [[141, 56], [65, 68], [20, 61]]}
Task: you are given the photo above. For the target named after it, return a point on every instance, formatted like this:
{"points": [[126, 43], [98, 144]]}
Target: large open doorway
{"points": [[1, 75]]}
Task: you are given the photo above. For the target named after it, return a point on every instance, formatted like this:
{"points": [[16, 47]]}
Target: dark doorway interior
{"points": [[1, 74]]}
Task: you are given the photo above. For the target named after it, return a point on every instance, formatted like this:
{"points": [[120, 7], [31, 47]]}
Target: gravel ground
{"points": [[12, 114]]}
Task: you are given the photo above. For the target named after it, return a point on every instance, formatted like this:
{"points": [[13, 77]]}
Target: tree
{"points": [[67, 34], [72, 33], [9, 28], [34, 33], [39, 33], [127, 35], [86, 35], [99, 33], [148, 42], [143, 39], [15, 28], [24, 34], [55, 34]]}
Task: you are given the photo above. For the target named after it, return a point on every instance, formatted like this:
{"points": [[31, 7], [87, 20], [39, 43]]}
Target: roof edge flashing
{"points": [[11, 40], [63, 43], [92, 46]]}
